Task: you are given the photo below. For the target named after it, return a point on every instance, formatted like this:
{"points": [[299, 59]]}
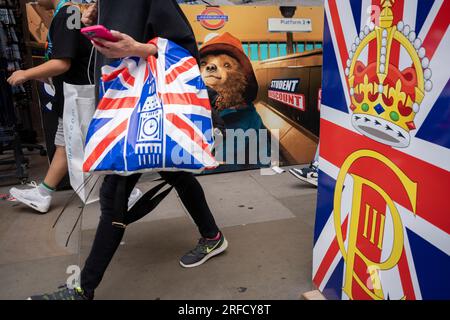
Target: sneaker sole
{"points": [[310, 181], [28, 203], [216, 252]]}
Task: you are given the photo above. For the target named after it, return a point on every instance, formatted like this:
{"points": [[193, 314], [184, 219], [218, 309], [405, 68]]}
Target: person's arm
{"points": [[52, 68], [124, 47]]}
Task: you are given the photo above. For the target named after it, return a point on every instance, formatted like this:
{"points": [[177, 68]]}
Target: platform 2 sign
{"points": [[382, 224]]}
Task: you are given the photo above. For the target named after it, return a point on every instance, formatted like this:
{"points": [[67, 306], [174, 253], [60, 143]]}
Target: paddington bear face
{"points": [[224, 74], [216, 69]]}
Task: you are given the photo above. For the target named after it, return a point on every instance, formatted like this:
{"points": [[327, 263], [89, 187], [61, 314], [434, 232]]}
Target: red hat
{"points": [[226, 43]]}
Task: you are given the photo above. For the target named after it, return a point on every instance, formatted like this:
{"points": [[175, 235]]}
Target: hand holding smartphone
{"points": [[99, 35], [98, 31]]}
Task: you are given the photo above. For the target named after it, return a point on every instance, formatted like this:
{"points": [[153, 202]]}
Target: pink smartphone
{"points": [[98, 31]]}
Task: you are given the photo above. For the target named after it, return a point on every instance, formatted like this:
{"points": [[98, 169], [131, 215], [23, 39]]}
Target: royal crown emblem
{"points": [[385, 99]]}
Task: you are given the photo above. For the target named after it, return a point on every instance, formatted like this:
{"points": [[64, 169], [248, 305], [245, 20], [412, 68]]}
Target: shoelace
{"points": [[200, 248], [32, 184]]}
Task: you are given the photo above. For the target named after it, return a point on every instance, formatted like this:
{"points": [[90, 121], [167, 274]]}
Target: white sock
{"points": [[44, 190]]}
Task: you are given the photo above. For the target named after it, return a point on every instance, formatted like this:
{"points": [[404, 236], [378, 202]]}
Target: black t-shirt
{"points": [[145, 19], [68, 43]]}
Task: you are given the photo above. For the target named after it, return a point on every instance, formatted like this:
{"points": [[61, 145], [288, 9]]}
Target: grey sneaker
{"points": [[64, 293], [204, 250]]}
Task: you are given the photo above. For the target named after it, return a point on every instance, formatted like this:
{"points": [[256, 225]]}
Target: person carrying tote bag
{"points": [[68, 54], [140, 21]]}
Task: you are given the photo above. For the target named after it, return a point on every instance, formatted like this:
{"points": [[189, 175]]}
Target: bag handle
{"points": [[143, 206], [147, 203]]}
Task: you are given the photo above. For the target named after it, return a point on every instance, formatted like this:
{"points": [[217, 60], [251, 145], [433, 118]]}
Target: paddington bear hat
{"points": [[226, 43]]}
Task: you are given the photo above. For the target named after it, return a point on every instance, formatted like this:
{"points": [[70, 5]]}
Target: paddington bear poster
{"points": [[265, 82]]}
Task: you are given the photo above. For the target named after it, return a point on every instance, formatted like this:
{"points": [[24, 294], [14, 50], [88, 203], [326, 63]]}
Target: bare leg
{"points": [[58, 168]]}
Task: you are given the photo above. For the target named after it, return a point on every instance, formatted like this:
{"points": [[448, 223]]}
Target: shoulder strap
{"points": [[143, 206]]}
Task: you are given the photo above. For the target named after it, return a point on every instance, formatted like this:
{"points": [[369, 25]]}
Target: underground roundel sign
{"points": [[212, 18]]}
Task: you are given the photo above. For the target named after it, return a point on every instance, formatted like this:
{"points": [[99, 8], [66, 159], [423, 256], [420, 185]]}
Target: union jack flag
{"points": [[153, 114], [369, 227]]}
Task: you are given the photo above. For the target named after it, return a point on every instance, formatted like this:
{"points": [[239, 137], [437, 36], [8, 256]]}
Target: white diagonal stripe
{"points": [[440, 77], [338, 55], [430, 18]]}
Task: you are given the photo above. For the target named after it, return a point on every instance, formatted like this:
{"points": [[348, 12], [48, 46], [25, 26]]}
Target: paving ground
{"points": [[268, 221]]}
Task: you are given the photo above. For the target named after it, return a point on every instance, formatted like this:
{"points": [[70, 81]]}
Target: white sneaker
{"points": [[309, 175], [32, 198], [135, 195]]}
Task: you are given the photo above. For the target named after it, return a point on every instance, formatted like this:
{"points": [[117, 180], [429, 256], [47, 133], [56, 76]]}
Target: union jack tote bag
{"points": [[153, 115]]}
